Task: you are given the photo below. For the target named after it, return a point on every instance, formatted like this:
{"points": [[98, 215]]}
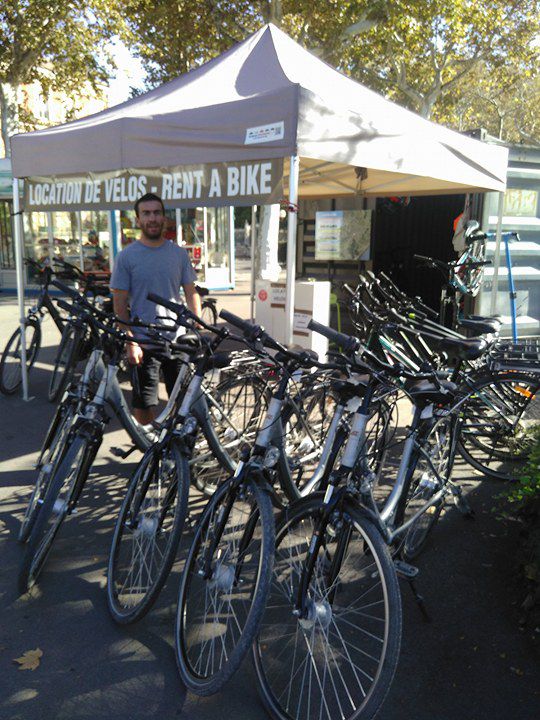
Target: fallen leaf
{"points": [[30, 659], [517, 671]]}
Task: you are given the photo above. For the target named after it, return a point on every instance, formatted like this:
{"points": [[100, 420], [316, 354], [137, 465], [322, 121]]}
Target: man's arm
{"points": [[121, 309], [193, 298]]}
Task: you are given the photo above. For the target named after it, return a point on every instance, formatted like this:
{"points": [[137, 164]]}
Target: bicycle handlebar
{"points": [[252, 332], [347, 342]]}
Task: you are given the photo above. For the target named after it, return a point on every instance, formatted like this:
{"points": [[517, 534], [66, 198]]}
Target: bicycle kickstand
{"points": [[419, 600]]}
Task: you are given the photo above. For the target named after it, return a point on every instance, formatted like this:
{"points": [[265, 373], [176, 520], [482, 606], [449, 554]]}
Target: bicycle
{"points": [[208, 306], [150, 522], [10, 362], [76, 342], [56, 493], [329, 639]]}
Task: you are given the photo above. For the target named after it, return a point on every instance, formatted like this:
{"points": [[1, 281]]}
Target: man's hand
{"points": [[134, 353], [193, 299]]}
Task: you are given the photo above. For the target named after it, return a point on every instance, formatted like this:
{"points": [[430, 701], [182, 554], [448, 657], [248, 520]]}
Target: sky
{"points": [[130, 73]]}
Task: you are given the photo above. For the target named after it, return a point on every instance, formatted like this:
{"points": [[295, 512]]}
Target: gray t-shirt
{"points": [[162, 270]]}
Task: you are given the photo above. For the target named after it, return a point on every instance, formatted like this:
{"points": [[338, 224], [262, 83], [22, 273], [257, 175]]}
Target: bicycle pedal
{"points": [[462, 504], [123, 454], [405, 570], [419, 601]]}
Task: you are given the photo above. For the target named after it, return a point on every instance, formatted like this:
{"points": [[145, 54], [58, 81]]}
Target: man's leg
{"points": [[145, 382]]}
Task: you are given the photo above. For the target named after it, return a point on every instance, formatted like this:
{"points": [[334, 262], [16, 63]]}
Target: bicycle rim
{"points": [[235, 416], [56, 506], [432, 471], [338, 660], [147, 534], [497, 420], [10, 364], [66, 359], [50, 458], [222, 593]]}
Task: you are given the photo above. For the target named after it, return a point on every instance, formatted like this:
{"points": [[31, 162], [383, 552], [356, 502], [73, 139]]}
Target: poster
{"points": [[342, 234]]}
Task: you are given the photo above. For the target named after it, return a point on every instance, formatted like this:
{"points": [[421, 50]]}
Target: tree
{"points": [[424, 54], [427, 50], [58, 43]]}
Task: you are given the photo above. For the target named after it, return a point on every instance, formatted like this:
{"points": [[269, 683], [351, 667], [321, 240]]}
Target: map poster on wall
{"points": [[342, 234]]}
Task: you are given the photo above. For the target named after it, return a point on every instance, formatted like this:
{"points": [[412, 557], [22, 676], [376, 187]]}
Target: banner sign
{"points": [[183, 186]]}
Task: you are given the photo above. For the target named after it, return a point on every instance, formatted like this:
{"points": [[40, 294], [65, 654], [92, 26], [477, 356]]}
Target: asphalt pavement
{"points": [[471, 662]]}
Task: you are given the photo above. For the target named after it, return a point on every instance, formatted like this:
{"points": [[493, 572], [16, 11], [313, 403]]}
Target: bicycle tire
{"points": [[241, 402], [432, 470], [496, 441], [52, 452], [209, 312], [10, 363], [65, 361], [305, 424], [145, 535], [57, 504], [192, 635], [356, 561]]}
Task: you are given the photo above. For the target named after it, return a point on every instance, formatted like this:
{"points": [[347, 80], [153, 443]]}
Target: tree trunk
{"points": [[9, 113], [275, 12]]}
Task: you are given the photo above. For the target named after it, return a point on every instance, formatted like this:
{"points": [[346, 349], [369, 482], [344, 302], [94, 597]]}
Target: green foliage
{"points": [[57, 42], [525, 493]]}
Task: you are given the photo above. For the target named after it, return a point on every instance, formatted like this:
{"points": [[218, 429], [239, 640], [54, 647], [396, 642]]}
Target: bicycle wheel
{"points": [[497, 419], [338, 660], [10, 363], [235, 406], [51, 454], [224, 586], [57, 504], [209, 312], [66, 360], [433, 470], [147, 533], [306, 419]]}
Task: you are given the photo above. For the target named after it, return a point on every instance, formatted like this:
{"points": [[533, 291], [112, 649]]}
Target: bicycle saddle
{"points": [[466, 348], [481, 326], [429, 392]]}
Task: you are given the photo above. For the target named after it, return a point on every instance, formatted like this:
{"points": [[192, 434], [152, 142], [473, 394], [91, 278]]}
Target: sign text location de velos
{"points": [[213, 185]]}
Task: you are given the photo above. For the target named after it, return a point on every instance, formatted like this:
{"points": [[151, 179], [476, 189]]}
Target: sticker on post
{"points": [[265, 133]]}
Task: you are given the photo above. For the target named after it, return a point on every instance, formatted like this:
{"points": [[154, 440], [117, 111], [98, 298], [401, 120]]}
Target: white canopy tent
{"points": [[264, 99]]}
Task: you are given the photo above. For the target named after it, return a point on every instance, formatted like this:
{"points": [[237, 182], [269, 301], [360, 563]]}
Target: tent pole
{"points": [[19, 264], [232, 247], [497, 256], [292, 218], [253, 264]]}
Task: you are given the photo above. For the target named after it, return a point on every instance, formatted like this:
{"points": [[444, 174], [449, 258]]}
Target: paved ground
{"points": [[471, 662]]}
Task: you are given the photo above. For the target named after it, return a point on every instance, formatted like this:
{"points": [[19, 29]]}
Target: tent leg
{"points": [[497, 256], [19, 263], [253, 263], [292, 217]]}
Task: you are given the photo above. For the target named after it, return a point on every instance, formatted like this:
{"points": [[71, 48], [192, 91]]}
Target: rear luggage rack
{"points": [[523, 355]]}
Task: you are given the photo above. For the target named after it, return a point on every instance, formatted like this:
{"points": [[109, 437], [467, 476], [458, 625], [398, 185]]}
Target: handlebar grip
{"points": [[66, 290], [177, 308], [236, 321], [423, 258], [348, 343]]}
